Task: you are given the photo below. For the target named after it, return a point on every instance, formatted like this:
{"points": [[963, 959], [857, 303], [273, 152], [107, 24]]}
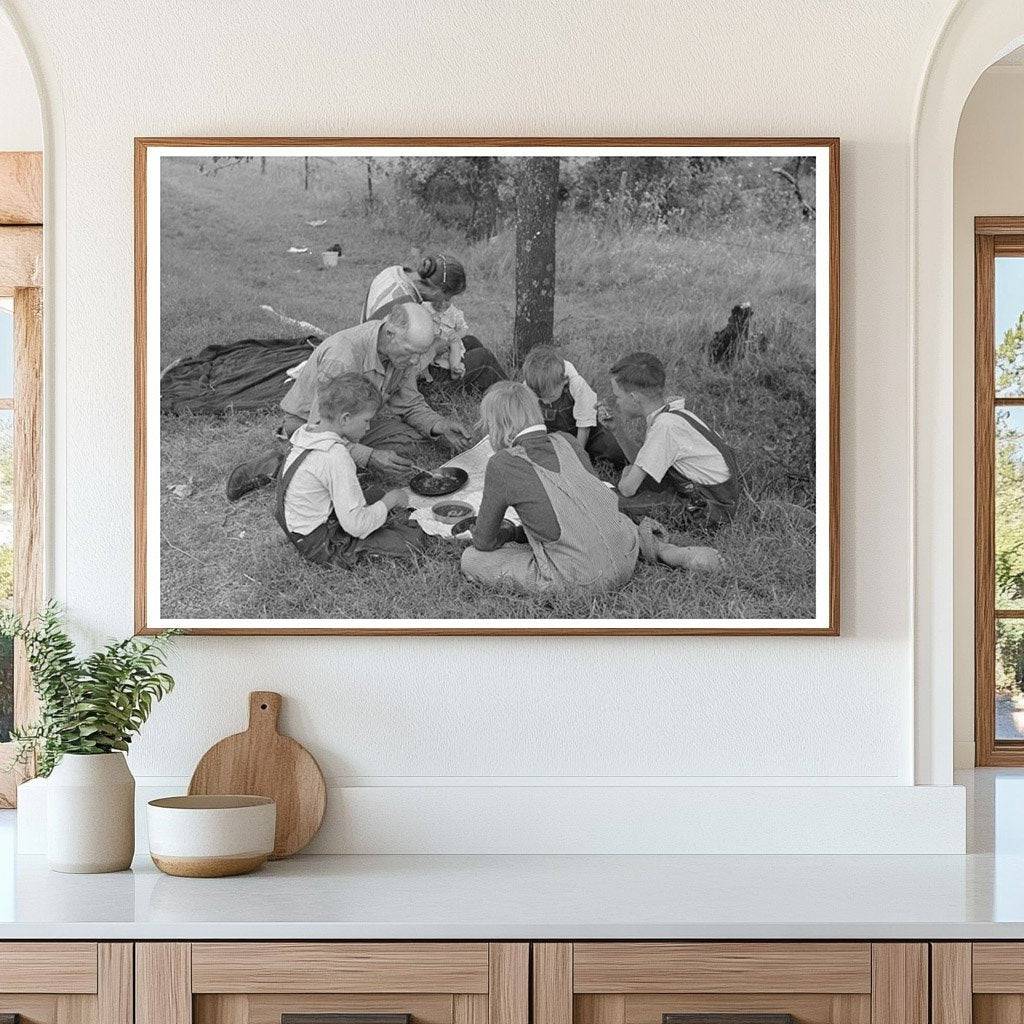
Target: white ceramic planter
{"points": [[90, 814]]}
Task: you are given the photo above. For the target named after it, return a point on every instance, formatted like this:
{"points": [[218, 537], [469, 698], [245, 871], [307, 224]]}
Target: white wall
{"points": [[988, 181], [445, 713]]}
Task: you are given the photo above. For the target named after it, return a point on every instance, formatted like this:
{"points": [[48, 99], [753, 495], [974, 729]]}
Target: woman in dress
{"points": [[436, 278]]}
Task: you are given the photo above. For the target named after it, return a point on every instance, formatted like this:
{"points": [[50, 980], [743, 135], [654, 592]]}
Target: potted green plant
{"points": [[89, 710]]}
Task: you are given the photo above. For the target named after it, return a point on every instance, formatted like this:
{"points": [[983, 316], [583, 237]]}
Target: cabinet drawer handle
{"points": [[728, 1018], [339, 1018]]}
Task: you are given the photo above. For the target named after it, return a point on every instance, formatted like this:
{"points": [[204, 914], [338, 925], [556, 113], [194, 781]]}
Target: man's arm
{"points": [[408, 403]]}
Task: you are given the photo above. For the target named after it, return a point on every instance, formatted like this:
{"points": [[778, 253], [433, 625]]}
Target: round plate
{"points": [[451, 511], [438, 483]]}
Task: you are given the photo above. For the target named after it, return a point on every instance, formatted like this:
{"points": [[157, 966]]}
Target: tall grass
{"points": [[225, 237]]}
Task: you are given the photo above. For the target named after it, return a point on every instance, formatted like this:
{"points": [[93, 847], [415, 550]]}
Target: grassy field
{"points": [[225, 238]]}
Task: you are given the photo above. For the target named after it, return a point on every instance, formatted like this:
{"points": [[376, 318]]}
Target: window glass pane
{"points": [[6, 567], [1009, 679], [1010, 507], [6, 348], [1009, 318]]}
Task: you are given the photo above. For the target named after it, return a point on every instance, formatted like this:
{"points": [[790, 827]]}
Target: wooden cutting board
{"points": [[262, 762]]}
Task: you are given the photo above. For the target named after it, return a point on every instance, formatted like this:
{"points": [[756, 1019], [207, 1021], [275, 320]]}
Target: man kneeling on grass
{"points": [[320, 505], [387, 352]]}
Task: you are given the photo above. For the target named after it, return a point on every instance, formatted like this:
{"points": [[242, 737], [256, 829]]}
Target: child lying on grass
{"points": [[678, 447], [320, 504], [569, 403], [573, 536]]}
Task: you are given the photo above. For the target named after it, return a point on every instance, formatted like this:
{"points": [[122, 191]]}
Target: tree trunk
{"points": [[536, 207], [305, 173], [484, 220]]}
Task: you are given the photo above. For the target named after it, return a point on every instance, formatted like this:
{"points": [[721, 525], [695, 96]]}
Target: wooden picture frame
{"points": [[993, 237], [827, 256]]}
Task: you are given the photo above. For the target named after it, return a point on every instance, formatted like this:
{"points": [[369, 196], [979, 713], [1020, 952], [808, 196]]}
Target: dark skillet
{"points": [[439, 482]]}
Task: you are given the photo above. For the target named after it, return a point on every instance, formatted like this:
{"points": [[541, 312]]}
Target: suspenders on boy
{"points": [[284, 479], [722, 498], [559, 414], [324, 545]]}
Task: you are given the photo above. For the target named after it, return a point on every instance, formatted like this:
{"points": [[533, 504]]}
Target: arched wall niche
{"points": [[975, 35]]}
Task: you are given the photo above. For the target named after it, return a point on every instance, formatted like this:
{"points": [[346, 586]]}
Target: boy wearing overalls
{"points": [[320, 504], [678, 448], [569, 403]]}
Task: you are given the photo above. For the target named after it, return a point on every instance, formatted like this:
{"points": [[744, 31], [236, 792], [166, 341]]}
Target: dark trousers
{"points": [[602, 444], [330, 545], [559, 415], [482, 367]]}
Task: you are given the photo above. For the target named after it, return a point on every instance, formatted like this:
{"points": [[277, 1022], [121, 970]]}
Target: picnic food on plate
{"points": [[451, 511], [439, 482]]}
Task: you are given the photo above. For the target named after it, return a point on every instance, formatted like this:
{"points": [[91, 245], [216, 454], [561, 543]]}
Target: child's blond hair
{"points": [[507, 409], [543, 369], [347, 393]]}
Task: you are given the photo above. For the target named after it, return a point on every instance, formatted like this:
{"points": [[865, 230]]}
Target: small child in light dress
{"points": [[449, 351]]}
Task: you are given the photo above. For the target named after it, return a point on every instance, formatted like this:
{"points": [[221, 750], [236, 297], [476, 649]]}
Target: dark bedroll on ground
{"points": [[246, 374]]}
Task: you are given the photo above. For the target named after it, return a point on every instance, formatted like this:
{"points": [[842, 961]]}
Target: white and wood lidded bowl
{"points": [[211, 836]]}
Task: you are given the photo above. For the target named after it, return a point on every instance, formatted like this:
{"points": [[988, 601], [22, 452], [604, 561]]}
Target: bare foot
{"points": [[701, 558]]}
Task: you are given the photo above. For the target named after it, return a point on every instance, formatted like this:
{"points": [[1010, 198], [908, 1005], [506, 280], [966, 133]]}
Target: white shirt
{"points": [[325, 480], [584, 407], [674, 441]]}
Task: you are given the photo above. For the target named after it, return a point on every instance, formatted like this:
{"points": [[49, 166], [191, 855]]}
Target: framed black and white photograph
{"points": [[470, 386]]}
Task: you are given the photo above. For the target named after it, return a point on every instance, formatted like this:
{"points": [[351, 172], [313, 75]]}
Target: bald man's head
{"points": [[408, 333]]}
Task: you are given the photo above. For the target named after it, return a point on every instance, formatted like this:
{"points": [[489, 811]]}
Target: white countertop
{"points": [[532, 897], [978, 896]]}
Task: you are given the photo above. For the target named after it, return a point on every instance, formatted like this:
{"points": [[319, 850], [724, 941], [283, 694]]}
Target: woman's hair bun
{"points": [[443, 272]]}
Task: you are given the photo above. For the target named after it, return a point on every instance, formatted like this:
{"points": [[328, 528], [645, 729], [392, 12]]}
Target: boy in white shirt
{"points": [[569, 403], [320, 504], [678, 448]]}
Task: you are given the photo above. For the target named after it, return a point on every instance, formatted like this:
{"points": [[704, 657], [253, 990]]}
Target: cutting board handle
{"points": [[264, 710]]}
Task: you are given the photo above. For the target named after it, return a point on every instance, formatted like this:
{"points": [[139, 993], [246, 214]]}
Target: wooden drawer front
{"points": [[267, 1009], [710, 967], [309, 967], [48, 967], [998, 967], [648, 1009]]}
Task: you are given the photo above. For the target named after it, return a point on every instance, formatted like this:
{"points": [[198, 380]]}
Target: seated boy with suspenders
{"points": [[678, 448]]}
